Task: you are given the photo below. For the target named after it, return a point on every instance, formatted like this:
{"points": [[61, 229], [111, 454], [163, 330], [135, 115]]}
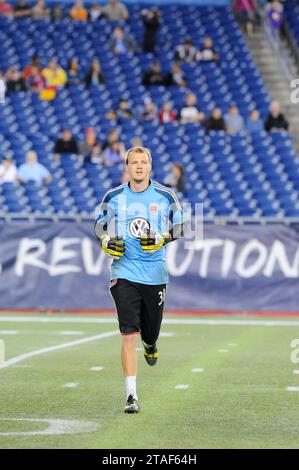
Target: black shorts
{"points": [[139, 308]]}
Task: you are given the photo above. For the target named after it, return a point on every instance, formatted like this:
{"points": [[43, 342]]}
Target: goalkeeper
{"points": [[145, 216]]}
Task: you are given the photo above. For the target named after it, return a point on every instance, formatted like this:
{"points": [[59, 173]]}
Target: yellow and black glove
{"points": [[114, 247], [151, 241]]}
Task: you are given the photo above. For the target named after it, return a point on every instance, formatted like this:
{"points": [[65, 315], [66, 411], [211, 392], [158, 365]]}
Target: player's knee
{"points": [[130, 339]]}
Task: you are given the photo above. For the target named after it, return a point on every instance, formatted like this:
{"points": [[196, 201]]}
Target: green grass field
{"points": [[239, 400]]}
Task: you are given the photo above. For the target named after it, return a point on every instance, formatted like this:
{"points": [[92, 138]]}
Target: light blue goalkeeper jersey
{"points": [[126, 213]]}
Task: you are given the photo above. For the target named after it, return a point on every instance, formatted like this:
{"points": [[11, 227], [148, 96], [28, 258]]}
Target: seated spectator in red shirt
{"points": [[207, 53], [6, 9], [149, 112], [40, 11], [94, 76], [215, 121], [22, 9], [190, 113], [167, 114], [120, 43], [35, 82], [14, 80], [154, 76], [176, 76], [73, 77], [66, 143], [35, 62], [186, 52]]}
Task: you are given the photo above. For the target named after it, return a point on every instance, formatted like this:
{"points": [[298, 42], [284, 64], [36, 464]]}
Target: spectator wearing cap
{"points": [[275, 119], [207, 53], [151, 23], [32, 170], [186, 52], [8, 171], [234, 121], [115, 11]]}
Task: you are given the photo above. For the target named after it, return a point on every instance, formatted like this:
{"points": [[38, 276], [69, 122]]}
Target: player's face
{"points": [[139, 167]]}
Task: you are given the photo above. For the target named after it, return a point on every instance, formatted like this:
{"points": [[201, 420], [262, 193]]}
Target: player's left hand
{"points": [[151, 241]]}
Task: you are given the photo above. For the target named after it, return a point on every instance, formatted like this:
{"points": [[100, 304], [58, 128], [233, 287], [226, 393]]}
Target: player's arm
{"points": [[113, 246]]}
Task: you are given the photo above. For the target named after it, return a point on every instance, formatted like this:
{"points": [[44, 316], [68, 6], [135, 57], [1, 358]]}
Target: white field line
{"points": [[197, 370], [70, 385], [296, 372], [8, 332], [181, 387], [166, 321], [293, 389], [96, 368], [78, 342]]}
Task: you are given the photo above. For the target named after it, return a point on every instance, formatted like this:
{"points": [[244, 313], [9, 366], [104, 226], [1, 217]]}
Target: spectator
{"points": [[54, 75], [14, 80], [176, 76], [115, 11], [275, 14], [73, 77], [35, 62], [66, 143], [35, 82], [32, 170], [190, 113], [167, 114], [40, 11], [121, 44], [122, 112], [78, 12], [154, 76], [22, 9], [114, 153], [57, 13], [207, 53], [8, 171], [176, 178], [136, 142], [186, 52], [90, 148], [151, 23], [149, 113], [6, 9], [234, 121], [95, 12], [275, 119], [254, 122], [113, 137], [245, 11], [94, 76], [215, 121]]}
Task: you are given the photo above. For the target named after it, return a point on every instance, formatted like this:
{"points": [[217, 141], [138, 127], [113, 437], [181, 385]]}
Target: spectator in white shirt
{"points": [[8, 171]]}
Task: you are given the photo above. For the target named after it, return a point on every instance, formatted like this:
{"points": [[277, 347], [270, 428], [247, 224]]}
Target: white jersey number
{"points": [[161, 294]]}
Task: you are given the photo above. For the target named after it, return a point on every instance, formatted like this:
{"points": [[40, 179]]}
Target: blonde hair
{"points": [[138, 150]]}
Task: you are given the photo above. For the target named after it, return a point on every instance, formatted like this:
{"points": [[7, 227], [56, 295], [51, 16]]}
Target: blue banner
{"points": [[51, 266]]}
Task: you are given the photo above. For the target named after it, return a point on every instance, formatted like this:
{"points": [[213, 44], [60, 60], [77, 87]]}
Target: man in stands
{"points": [[207, 53], [22, 9], [32, 170], [8, 171], [115, 11], [190, 113], [186, 52], [275, 119], [154, 76], [65, 144]]}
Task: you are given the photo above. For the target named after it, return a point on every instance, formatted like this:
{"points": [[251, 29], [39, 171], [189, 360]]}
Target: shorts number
{"points": [[161, 294]]}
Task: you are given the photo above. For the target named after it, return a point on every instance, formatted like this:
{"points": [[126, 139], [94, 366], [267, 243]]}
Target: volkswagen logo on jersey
{"points": [[138, 226]]}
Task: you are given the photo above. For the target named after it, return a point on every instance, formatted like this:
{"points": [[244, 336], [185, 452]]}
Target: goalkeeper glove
{"points": [[114, 247], [151, 241]]}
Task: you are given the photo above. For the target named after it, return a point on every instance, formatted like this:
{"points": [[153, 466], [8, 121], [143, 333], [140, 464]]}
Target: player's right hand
{"points": [[114, 247]]}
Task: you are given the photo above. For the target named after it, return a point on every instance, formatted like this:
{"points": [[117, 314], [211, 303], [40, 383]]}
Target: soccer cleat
{"points": [[151, 354], [132, 405]]}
